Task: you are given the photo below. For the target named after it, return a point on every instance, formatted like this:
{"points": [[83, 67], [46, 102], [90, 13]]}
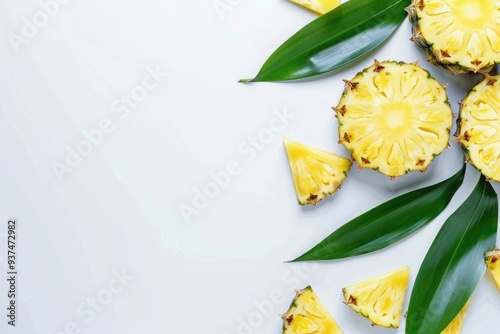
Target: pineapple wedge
{"points": [[380, 298], [455, 325], [460, 35], [394, 118], [493, 264], [318, 6], [316, 173], [479, 126], [308, 315]]}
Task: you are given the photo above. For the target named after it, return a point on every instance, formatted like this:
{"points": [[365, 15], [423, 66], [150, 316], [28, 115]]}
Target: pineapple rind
{"points": [[380, 298], [479, 127], [453, 36], [492, 259], [388, 108], [308, 315], [316, 173]]}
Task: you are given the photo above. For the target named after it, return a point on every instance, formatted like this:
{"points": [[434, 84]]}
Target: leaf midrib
{"points": [[445, 185], [454, 254], [288, 60]]}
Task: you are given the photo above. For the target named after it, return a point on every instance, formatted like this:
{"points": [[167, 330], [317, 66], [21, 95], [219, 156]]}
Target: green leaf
{"points": [[454, 263], [387, 223], [334, 39]]}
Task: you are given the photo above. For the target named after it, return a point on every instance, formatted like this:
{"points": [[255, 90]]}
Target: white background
{"points": [[117, 212]]}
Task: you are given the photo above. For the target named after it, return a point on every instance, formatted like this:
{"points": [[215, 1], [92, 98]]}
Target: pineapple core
{"points": [[394, 118]]}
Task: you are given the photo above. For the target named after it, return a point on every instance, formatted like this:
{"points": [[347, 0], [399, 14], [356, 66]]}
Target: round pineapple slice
{"points": [[318, 6], [316, 173], [308, 315], [394, 117], [492, 261], [380, 298], [461, 35], [479, 127]]}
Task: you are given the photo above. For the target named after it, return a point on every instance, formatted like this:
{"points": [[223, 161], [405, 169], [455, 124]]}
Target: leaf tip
{"points": [[298, 259], [245, 81]]}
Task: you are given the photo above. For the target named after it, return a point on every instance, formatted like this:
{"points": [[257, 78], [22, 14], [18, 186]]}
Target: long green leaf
{"points": [[454, 263], [387, 223], [334, 39]]}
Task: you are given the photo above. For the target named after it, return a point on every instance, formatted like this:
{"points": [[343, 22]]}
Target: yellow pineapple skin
{"points": [[460, 35], [308, 315], [380, 298], [455, 326], [479, 127], [319, 7], [492, 259], [394, 118], [316, 173]]}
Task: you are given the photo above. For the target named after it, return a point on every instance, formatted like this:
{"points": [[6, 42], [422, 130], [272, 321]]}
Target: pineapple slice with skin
{"points": [[394, 118], [455, 325], [318, 6], [316, 173], [460, 35], [479, 126], [492, 259], [380, 298], [308, 315]]}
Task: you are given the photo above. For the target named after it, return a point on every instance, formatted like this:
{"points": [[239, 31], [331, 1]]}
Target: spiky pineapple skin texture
{"points": [[492, 259], [460, 35], [308, 315], [479, 126], [316, 173], [394, 117], [380, 298]]}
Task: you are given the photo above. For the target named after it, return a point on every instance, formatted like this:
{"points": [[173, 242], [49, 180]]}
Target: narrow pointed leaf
{"points": [[334, 39], [387, 223], [454, 263]]}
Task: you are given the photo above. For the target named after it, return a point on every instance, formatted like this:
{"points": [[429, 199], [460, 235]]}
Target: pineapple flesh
{"points": [[394, 118], [493, 262], [318, 6], [479, 127], [461, 35], [380, 298], [455, 325], [316, 173], [308, 315]]}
